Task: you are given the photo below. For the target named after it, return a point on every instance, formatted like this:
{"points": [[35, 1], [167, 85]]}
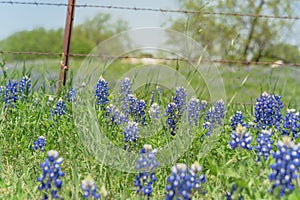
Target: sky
{"points": [[15, 18], [20, 17]]}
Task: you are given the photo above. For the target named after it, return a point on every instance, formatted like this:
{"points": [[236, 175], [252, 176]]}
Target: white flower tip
{"points": [[267, 132], [240, 129], [53, 153], [196, 167], [59, 160], [286, 140], [148, 147], [265, 94], [203, 102], [50, 98], [88, 182], [292, 110], [179, 167]]}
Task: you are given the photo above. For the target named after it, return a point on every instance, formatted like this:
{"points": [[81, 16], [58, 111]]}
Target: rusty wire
{"points": [[194, 12]]}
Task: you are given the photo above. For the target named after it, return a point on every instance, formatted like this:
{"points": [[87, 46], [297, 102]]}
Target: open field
{"points": [[30, 117]]}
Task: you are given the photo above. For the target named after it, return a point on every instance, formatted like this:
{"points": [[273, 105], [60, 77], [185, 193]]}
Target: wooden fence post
{"points": [[66, 45]]}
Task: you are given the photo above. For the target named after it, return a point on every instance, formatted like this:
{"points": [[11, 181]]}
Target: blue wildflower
{"points": [[40, 143], [136, 109], [59, 109], [11, 93], [125, 86], [89, 188], [114, 115], [125, 91], [236, 119], [101, 92], [286, 167], [131, 134], [183, 182], [25, 85], [265, 144], [140, 112], [229, 196], [154, 111], [180, 100], [72, 95], [50, 99], [146, 165], [268, 111], [132, 102], [203, 105], [50, 179], [291, 123], [240, 138], [214, 117], [194, 109], [152, 97], [172, 119]]}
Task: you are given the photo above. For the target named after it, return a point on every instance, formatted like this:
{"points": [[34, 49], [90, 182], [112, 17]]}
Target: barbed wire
{"points": [[35, 3], [224, 61]]}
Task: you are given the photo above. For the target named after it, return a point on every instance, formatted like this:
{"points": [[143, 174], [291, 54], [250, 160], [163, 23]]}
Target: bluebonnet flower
{"points": [[72, 95], [89, 188], [40, 143], [194, 109], [214, 117], [125, 86], [136, 109], [50, 99], [25, 85], [286, 167], [125, 91], [114, 115], [146, 165], [180, 100], [240, 138], [229, 196], [11, 93], [140, 112], [268, 111], [203, 105], [291, 123], [152, 97], [172, 119], [132, 102], [154, 111], [50, 179], [236, 119], [131, 134], [183, 182], [265, 144], [59, 109], [101, 92]]}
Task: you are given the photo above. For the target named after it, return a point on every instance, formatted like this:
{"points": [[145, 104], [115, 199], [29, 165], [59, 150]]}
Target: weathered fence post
{"points": [[66, 45]]}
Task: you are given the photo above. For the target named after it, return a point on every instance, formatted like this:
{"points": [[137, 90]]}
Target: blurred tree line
{"points": [[85, 37], [225, 37], [238, 37]]}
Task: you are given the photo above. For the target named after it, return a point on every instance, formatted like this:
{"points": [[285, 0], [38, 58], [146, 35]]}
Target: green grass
{"points": [[20, 127]]}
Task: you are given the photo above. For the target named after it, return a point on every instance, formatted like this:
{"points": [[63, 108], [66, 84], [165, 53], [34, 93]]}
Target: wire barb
{"points": [[194, 12]]}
